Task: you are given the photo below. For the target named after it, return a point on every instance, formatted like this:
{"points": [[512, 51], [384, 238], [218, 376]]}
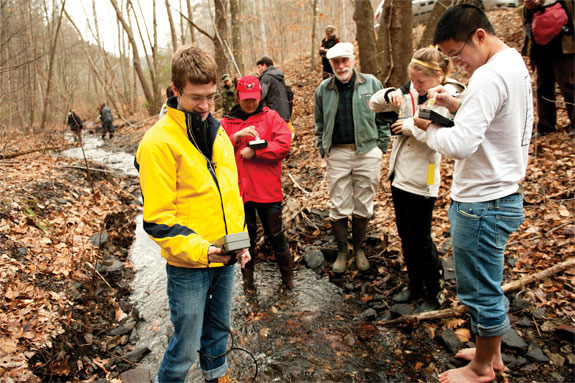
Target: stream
{"points": [[313, 333]]}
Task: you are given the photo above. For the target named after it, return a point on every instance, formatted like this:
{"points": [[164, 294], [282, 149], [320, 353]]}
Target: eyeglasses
{"points": [[196, 98], [457, 56]]}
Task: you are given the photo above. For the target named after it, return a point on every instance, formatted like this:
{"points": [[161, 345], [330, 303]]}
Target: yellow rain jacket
{"points": [[189, 202]]}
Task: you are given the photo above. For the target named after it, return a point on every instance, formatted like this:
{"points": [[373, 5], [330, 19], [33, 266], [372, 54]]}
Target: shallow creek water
{"points": [[309, 334]]}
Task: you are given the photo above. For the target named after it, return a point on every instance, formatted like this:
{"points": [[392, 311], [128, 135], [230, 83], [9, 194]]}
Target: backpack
{"points": [[548, 23], [289, 93]]}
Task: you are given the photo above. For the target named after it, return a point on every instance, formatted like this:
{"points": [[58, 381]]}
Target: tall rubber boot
{"points": [[285, 264], [248, 277], [359, 231], [340, 231], [435, 292]]}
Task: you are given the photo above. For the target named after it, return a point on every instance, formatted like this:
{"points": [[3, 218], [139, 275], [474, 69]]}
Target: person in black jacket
{"points": [[328, 42], [274, 93], [76, 125]]}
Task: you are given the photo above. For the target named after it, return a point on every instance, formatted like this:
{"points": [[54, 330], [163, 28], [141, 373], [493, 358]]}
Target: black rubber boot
{"points": [[359, 231], [340, 231], [248, 277], [285, 264], [435, 292]]}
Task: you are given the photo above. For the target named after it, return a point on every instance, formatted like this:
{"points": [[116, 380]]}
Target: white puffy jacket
{"points": [[415, 166]]}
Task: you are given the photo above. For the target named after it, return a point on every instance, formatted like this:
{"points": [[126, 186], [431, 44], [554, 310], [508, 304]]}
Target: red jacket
{"points": [[260, 178]]}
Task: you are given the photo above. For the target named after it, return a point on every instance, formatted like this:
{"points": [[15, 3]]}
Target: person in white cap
{"points": [[352, 143]]}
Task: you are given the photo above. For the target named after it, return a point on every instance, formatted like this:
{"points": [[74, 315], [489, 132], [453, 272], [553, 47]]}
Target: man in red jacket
{"points": [[261, 140]]}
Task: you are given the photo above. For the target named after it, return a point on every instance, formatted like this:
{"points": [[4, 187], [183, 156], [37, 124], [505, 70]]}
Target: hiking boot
{"points": [[340, 231], [223, 379], [359, 231]]}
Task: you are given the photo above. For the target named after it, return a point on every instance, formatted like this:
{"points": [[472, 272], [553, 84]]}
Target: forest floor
{"points": [[65, 314]]}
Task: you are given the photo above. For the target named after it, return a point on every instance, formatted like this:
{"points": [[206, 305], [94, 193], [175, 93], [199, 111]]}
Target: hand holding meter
{"points": [[258, 144]]}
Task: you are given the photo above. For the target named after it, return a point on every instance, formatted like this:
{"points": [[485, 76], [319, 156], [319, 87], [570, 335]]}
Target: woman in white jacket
{"points": [[414, 175]]}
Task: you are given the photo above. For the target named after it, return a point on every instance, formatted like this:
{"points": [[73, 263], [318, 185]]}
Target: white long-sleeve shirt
{"points": [[490, 139]]}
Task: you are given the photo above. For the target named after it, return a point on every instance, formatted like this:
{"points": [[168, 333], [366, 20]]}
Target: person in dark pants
{"points": [[260, 172], [415, 177], [554, 62], [76, 125], [107, 119], [328, 42]]}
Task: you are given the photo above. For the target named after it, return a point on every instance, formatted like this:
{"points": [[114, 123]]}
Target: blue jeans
{"points": [[480, 231], [192, 312]]}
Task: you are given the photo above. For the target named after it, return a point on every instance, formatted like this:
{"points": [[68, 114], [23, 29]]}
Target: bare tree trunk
{"points": [[365, 35], [152, 108], [222, 32], [172, 26], [190, 17], [395, 41], [259, 10], [438, 9], [51, 68], [314, 35], [236, 16]]}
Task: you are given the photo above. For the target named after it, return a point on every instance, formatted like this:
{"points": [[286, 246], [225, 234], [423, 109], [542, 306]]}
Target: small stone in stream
{"points": [[512, 340], [451, 341]]}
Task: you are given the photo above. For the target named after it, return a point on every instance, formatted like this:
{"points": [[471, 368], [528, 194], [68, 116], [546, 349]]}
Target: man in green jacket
{"points": [[352, 143]]}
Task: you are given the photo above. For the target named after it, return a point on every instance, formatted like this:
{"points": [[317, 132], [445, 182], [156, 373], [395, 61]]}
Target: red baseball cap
{"points": [[249, 87]]}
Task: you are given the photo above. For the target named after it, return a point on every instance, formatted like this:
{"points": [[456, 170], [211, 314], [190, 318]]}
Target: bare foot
{"points": [[466, 375], [469, 353]]}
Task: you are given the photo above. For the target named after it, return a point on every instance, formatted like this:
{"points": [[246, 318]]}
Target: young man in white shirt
{"points": [[490, 141]]}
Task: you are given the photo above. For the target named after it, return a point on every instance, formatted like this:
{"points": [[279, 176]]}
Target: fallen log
{"points": [[460, 309], [22, 153]]}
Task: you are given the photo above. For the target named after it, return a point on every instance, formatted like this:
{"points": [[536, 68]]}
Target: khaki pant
{"points": [[352, 181]]}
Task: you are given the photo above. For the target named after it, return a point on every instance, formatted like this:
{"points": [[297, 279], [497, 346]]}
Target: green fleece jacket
{"points": [[368, 131]]}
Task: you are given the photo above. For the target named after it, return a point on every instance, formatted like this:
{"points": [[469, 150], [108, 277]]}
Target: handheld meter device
{"points": [[231, 243], [258, 144]]}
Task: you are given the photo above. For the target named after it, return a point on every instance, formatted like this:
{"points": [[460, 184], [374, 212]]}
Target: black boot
{"points": [[285, 264], [248, 277], [435, 292], [359, 231], [340, 231], [411, 292]]}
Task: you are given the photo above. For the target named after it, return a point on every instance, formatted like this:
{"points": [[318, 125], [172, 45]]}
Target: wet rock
{"points": [[386, 316], [520, 304], [536, 354], [402, 309], [513, 340], [123, 329], [113, 265], [525, 322], [99, 239], [513, 363], [136, 355], [379, 306], [539, 313], [61, 201], [451, 341], [368, 314], [556, 359], [512, 262], [137, 375], [314, 259], [22, 251], [349, 286], [557, 377], [530, 368]]}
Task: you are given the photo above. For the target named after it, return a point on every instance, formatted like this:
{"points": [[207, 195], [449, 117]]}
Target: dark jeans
{"points": [[553, 67], [327, 69], [413, 215], [271, 218]]}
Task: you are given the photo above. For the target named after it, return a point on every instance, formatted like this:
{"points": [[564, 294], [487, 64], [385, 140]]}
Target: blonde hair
{"points": [[429, 60], [330, 28], [194, 65]]}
